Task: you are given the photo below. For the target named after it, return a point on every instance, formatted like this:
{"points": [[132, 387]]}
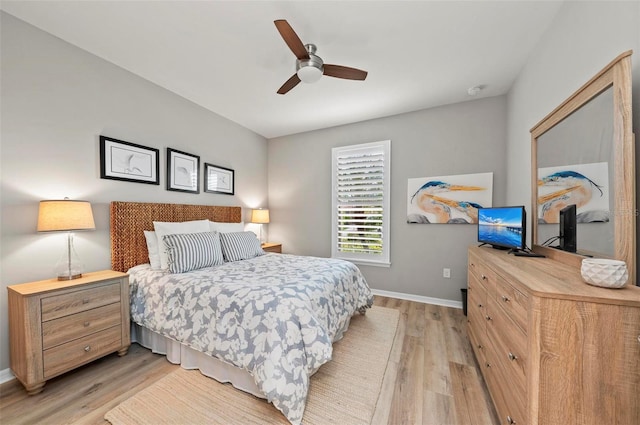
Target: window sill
{"points": [[365, 262]]}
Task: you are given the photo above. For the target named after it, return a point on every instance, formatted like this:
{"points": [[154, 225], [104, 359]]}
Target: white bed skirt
{"points": [[189, 358]]}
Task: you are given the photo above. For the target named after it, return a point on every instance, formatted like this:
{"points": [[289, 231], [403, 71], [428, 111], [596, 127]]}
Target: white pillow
{"points": [[152, 247], [193, 251], [240, 246], [168, 228], [216, 226]]}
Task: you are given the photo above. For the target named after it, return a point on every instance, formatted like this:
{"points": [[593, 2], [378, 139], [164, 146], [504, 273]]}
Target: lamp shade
{"points": [[260, 216], [65, 215]]}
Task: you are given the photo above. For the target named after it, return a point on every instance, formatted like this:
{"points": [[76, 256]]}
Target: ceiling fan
{"points": [[309, 66]]}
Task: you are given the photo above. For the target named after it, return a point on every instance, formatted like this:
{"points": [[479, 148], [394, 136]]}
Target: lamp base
{"points": [[67, 277], [69, 266]]}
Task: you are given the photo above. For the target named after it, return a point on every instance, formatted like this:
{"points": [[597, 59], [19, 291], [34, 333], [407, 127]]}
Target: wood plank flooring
{"points": [[432, 378]]}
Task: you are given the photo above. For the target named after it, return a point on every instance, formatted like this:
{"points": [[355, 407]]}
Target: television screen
{"points": [[503, 227]]}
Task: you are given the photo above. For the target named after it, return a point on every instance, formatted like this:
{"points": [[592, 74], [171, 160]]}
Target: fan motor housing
{"points": [[310, 70]]}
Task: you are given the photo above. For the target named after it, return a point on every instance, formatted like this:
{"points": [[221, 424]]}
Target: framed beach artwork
{"points": [[120, 160], [183, 171], [585, 185], [448, 199], [218, 179]]}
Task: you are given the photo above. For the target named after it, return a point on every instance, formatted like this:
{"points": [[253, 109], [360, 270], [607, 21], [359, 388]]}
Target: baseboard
{"points": [[6, 375], [418, 298]]}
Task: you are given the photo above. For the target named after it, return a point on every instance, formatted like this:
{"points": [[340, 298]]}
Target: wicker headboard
{"points": [[130, 219]]}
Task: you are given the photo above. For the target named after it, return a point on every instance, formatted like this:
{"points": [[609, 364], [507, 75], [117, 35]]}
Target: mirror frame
{"points": [[616, 74]]}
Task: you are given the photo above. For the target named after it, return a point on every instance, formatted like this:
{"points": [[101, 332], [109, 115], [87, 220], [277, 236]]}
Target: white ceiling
{"points": [[228, 57]]}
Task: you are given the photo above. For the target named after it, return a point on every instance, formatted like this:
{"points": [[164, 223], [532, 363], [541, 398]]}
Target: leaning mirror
{"points": [[583, 155]]}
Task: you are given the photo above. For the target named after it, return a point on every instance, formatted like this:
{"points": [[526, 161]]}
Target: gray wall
{"points": [[583, 38], [463, 138], [56, 101]]}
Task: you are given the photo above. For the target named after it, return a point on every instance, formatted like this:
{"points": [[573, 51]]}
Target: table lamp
{"points": [[260, 216], [66, 216]]}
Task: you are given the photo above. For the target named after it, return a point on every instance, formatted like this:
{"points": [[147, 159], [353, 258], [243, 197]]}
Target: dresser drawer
{"points": [[513, 302], [478, 345], [510, 402], [77, 301], [68, 328], [476, 309], [484, 275], [67, 356], [509, 344]]}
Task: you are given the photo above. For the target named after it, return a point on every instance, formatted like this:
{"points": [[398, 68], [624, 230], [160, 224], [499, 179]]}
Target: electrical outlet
{"points": [[446, 273]]}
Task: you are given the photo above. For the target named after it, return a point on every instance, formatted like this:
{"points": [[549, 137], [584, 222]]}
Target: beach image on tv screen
{"points": [[500, 226]]}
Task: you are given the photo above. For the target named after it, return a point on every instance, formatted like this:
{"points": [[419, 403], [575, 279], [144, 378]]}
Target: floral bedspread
{"points": [[275, 316]]}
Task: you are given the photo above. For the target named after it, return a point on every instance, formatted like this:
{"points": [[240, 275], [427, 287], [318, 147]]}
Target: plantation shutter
{"points": [[361, 202]]}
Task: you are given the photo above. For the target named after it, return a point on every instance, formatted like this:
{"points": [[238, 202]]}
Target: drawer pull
{"points": [[87, 348], [512, 356], [86, 324], [487, 317], [510, 420], [505, 298], [480, 346], [480, 305], [85, 301], [483, 277], [488, 364]]}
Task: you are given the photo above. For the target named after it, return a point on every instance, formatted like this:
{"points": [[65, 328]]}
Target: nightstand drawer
{"points": [[74, 302], [72, 354], [68, 328]]}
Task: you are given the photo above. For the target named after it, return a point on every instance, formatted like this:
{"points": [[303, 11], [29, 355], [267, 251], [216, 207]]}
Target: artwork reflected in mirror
{"points": [[584, 185]]}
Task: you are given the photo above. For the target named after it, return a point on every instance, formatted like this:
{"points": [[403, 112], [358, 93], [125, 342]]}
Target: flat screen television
{"points": [[567, 238], [503, 227]]}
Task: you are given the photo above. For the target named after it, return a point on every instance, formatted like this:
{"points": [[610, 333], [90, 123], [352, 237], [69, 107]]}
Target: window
{"points": [[360, 203]]}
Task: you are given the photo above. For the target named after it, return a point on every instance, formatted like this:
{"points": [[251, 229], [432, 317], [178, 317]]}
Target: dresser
{"points": [[56, 326], [552, 349]]}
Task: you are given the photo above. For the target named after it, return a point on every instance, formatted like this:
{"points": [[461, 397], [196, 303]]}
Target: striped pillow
{"points": [[193, 251], [240, 246]]}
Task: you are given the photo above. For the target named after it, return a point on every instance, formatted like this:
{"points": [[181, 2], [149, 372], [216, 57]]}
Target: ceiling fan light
{"points": [[309, 74]]}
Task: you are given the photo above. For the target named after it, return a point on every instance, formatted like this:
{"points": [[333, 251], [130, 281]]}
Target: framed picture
{"points": [[218, 179], [120, 160], [183, 171]]}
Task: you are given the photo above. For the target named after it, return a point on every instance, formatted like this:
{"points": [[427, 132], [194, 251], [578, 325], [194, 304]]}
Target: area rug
{"points": [[343, 391]]}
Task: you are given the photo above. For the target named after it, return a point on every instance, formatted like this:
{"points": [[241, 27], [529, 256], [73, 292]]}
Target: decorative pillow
{"points": [[226, 227], [163, 228], [152, 247], [240, 246], [193, 251]]}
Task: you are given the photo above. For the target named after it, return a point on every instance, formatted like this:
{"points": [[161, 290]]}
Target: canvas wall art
{"points": [[448, 199], [585, 185]]}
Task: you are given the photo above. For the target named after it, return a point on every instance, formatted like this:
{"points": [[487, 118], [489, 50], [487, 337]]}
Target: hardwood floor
{"points": [[432, 379]]}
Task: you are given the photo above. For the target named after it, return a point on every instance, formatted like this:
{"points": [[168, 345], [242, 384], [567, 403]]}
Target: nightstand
{"points": [[272, 247], [56, 326]]}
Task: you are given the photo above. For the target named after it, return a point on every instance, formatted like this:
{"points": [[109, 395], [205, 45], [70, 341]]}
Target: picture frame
{"points": [[126, 161], [183, 171], [219, 179]]}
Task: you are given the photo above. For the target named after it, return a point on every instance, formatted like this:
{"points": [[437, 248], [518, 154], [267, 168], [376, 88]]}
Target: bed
{"points": [[265, 324]]}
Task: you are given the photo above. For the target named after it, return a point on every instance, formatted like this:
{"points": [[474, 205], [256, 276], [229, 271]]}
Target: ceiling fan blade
{"points": [[291, 38], [291, 83], [339, 71]]}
